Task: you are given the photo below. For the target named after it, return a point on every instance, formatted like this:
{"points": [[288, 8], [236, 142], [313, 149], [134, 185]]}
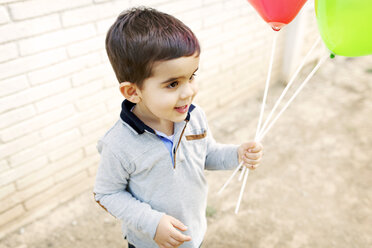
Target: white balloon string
{"points": [[267, 84], [321, 61], [242, 173], [231, 177], [261, 115], [242, 191], [288, 86]]}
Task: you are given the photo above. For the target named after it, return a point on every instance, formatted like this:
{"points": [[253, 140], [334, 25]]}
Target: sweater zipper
{"points": [[178, 144]]}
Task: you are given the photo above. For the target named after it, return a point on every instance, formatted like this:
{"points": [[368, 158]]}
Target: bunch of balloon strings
{"points": [[262, 130], [353, 39]]}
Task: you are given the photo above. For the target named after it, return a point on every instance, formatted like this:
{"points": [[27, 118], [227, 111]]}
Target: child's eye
{"points": [[192, 76], [172, 85]]}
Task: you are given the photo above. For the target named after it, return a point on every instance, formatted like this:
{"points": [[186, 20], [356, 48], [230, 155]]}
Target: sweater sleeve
{"points": [[220, 156], [111, 193]]}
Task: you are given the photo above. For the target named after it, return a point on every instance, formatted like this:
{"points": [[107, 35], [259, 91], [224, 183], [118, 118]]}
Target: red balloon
{"points": [[277, 13]]}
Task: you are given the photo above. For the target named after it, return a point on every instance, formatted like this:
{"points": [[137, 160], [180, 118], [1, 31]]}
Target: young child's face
{"points": [[168, 93]]}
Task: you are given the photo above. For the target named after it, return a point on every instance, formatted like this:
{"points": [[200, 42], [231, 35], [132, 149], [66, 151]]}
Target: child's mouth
{"points": [[182, 109]]}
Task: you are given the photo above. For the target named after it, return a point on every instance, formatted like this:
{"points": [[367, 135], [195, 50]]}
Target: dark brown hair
{"points": [[141, 36]]}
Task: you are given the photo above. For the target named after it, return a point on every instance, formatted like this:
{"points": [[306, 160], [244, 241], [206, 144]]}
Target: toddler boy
{"points": [[151, 174]]}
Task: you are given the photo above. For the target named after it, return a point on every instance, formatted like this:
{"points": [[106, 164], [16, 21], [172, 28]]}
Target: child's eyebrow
{"points": [[175, 78], [169, 80]]}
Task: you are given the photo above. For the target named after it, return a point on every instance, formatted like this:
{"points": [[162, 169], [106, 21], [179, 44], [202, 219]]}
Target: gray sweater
{"points": [[137, 182]]}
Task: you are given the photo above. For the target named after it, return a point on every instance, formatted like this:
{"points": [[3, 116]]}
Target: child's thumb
{"points": [[252, 144], [178, 224]]}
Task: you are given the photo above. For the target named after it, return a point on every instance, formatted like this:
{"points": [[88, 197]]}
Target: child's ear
{"points": [[130, 91]]}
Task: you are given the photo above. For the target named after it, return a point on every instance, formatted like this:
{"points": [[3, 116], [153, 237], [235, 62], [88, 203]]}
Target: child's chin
{"points": [[180, 117]]}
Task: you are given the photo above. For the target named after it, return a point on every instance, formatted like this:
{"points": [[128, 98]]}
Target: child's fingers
{"points": [[174, 242], [178, 224], [251, 166], [256, 148], [178, 236], [253, 156], [250, 144], [251, 161]]}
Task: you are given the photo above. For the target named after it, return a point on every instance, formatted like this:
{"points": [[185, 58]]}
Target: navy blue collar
{"points": [[132, 120]]}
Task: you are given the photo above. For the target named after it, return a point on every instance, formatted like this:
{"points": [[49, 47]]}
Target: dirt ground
{"points": [[313, 189]]}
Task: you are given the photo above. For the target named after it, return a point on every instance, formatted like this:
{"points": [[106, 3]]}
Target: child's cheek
{"points": [[195, 88]]}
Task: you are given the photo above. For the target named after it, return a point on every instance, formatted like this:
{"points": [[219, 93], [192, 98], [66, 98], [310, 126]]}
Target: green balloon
{"points": [[345, 26]]}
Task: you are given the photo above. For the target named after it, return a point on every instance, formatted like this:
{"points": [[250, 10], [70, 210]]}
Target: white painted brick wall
{"points": [[65, 68], [86, 46], [89, 74], [62, 37], [16, 115], [22, 65], [24, 169], [7, 190], [13, 85], [58, 93], [4, 16], [8, 51], [35, 8], [30, 95], [36, 123], [9, 1], [17, 145], [51, 169], [87, 14], [45, 147], [4, 166], [17, 30], [11, 214]]}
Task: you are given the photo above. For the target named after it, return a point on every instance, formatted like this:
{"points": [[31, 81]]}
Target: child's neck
{"points": [[166, 127], [167, 131]]}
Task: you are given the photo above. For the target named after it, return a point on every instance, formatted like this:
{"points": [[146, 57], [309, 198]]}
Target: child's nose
{"points": [[188, 91]]}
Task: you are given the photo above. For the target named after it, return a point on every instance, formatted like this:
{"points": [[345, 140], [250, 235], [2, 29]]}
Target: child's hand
{"points": [[167, 236], [250, 153]]}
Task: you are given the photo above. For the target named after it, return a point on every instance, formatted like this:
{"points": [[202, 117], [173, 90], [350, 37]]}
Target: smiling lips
{"points": [[182, 109]]}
